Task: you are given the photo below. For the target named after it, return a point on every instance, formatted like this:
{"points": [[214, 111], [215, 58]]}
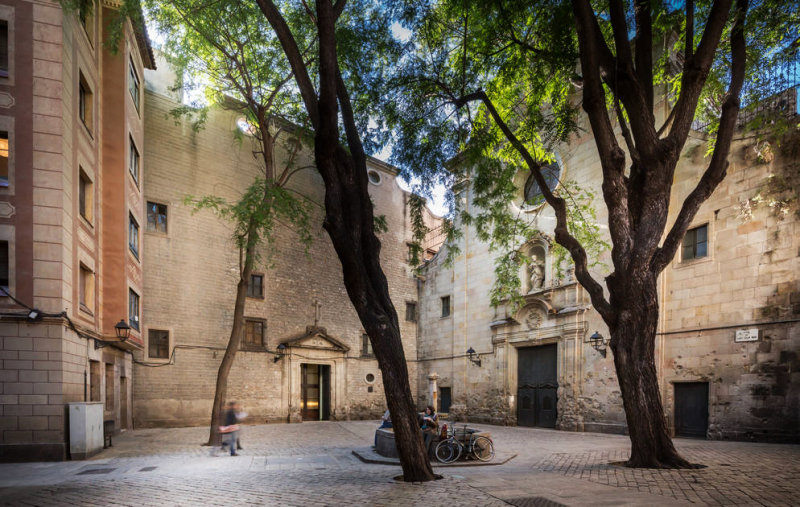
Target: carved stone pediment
{"points": [[316, 338], [543, 300]]}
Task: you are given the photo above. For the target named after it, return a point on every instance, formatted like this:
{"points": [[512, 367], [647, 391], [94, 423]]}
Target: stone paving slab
{"points": [[313, 464], [763, 474]]}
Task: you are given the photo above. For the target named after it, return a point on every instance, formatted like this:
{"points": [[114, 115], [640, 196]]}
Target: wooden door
{"points": [[123, 403], [325, 392], [691, 409], [309, 386], [445, 399], [538, 384]]}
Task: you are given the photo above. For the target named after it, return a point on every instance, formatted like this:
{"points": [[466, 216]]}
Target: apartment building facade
{"points": [[71, 211]]}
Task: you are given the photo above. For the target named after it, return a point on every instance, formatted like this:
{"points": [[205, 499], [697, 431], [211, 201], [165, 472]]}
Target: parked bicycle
{"points": [[478, 447]]}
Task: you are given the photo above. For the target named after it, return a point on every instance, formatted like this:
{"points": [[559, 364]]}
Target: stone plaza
{"points": [[313, 464]]}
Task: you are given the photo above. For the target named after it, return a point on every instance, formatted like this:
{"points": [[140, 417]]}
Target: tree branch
{"points": [[689, 51], [309, 12], [289, 45], [626, 134], [558, 204], [644, 52], [718, 166], [695, 72], [612, 157], [620, 29], [338, 7]]}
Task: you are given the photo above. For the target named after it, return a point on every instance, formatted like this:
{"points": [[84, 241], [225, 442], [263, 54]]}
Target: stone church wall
{"points": [[749, 280], [191, 284]]}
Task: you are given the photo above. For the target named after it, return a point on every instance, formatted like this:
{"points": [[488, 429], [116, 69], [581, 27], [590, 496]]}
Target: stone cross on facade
{"points": [[317, 313]]}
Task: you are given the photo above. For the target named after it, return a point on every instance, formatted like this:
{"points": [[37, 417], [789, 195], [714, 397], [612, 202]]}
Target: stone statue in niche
{"points": [[537, 273]]}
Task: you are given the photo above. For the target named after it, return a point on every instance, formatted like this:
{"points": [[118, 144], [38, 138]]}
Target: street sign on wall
{"points": [[747, 335]]}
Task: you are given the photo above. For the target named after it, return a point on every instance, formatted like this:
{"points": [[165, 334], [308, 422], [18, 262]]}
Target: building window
{"points": [[157, 344], [3, 158], [156, 217], [366, 346], [86, 290], [533, 193], [133, 235], [4, 267], [446, 306], [695, 243], [374, 177], [255, 289], [133, 83], [4, 48], [85, 196], [411, 312], [133, 309], [253, 334], [133, 161], [109, 387], [85, 102], [86, 16]]}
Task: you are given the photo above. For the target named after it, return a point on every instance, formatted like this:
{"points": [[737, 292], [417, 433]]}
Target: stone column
{"points": [[433, 390]]}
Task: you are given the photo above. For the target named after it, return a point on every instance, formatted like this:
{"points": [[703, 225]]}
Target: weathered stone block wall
{"points": [[198, 310], [749, 280]]}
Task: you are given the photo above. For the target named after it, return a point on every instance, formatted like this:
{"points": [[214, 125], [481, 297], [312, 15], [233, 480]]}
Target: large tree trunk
{"points": [[350, 222], [388, 348], [221, 392], [633, 343]]}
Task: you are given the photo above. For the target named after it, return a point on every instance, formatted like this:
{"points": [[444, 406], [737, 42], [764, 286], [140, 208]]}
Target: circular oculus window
{"points": [[245, 126], [374, 177], [370, 378], [533, 193]]}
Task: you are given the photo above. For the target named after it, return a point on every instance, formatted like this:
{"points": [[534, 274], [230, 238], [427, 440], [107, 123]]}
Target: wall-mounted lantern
{"points": [[474, 357], [599, 343], [122, 329], [280, 353]]}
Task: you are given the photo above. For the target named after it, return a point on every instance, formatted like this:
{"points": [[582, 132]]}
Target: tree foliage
{"points": [[498, 86]]}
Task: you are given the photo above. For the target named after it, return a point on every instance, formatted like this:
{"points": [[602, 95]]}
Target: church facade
{"points": [[304, 355], [728, 340], [727, 344]]}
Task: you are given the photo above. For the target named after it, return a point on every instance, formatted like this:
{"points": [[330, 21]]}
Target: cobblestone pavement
{"points": [[313, 464], [736, 473]]}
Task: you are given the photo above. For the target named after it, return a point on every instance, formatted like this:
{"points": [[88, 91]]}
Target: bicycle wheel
{"points": [[447, 451], [483, 449]]}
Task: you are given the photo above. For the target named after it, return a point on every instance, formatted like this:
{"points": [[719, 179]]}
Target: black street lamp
{"points": [[123, 330], [280, 353], [474, 357], [598, 343]]}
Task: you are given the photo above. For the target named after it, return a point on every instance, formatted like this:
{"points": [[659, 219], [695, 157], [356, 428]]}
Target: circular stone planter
{"points": [[386, 446]]}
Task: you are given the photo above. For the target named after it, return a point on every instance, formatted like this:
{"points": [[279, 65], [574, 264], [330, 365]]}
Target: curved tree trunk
{"points": [[350, 224], [221, 392], [633, 344]]}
